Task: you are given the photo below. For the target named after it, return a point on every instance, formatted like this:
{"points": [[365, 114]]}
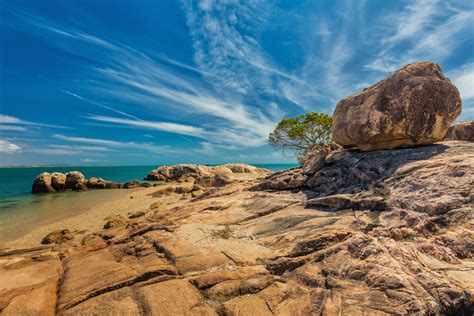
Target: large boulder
{"points": [[58, 181], [461, 131], [414, 106], [96, 183], [173, 173], [43, 184], [75, 181]]}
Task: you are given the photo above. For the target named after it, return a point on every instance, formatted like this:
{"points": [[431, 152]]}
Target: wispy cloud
{"points": [[82, 148], [160, 126], [8, 147], [463, 78], [6, 119], [115, 144], [125, 74], [422, 30], [13, 128]]}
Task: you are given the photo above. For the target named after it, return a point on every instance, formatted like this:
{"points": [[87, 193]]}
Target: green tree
{"points": [[302, 132]]}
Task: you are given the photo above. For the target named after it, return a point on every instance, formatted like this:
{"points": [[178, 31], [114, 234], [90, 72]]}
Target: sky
{"points": [[117, 82]]}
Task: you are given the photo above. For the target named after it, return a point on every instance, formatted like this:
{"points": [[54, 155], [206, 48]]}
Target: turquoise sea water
{"points": [[19, 209]]}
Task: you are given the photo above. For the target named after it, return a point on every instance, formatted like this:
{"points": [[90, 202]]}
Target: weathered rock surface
{"points": [[58, 237], [177, 172], [58, 181], [74, 180], [462, 131], [99, 183], [235, 251], [415, 105], [42, 184]]}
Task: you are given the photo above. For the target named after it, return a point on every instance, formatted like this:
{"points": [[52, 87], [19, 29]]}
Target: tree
{"points": [[302, 132]]}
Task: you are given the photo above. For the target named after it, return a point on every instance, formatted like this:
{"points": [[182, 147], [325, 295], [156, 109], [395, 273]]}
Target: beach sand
{"points": [[91, 219]]}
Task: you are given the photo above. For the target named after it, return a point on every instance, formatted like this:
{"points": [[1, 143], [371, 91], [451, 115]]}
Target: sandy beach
{"points": [[113, 202]]}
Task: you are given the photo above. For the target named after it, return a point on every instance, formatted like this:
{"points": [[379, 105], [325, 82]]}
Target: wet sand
{"points": [[86, 211]]}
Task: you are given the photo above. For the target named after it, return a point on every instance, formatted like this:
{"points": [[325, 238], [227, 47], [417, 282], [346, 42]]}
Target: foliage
{"points": [[302, 132]]}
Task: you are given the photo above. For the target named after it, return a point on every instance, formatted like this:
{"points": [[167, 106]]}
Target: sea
{"points": [[20, 210]]}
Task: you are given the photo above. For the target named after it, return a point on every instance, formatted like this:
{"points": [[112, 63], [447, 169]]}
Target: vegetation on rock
{"points": [[302, 133]]}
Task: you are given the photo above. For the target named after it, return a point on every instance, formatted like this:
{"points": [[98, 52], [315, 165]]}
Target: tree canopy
{"points": [[302, 132]]}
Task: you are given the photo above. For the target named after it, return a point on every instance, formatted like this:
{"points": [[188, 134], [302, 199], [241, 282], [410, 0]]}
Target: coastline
{"points": [[88, 219]]}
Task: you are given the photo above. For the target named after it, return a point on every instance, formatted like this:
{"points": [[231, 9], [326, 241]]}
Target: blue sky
{"points": [[159, 82]]}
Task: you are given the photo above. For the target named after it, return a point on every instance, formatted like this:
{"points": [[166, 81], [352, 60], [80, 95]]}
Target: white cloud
{"points": [[161, 126], [8, 147], [13, 128], [82, 148], [115, 144], [422, 30], [55, 152], [6, 119], [463, 78]]}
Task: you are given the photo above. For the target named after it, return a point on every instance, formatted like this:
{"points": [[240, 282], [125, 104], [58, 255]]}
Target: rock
{"points": [[414, 106], [29, 286], [114, 221], [241, 168], [136, 214], [316, 158], [57, 237], [43, 184], [145, 184], [322, 249], [113, 185], [197, 187], [173, 173], [96, 183], [131, 184], [218, 180], [75, 181], [58, 181], [187, 172], [463, 131], [347, 172]]}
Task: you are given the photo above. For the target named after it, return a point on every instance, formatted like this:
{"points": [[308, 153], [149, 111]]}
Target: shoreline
{"points": [[118, 202]]}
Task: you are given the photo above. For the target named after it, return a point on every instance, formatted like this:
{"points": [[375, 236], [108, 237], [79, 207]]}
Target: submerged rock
{"points": [[414, 106]]}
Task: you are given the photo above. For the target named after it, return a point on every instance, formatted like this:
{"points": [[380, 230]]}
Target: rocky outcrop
{"points": [[400, 242], [214, 180], [414, 106], [463, 131], [43, 184], [58, 181], [186, 171], [74, 180], [58, 237]]}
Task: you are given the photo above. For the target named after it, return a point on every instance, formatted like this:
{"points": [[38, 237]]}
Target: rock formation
{"points": [[462, 131], [393, 236], [74, 180], [180, 172], [42, 184], [414, 106]]}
